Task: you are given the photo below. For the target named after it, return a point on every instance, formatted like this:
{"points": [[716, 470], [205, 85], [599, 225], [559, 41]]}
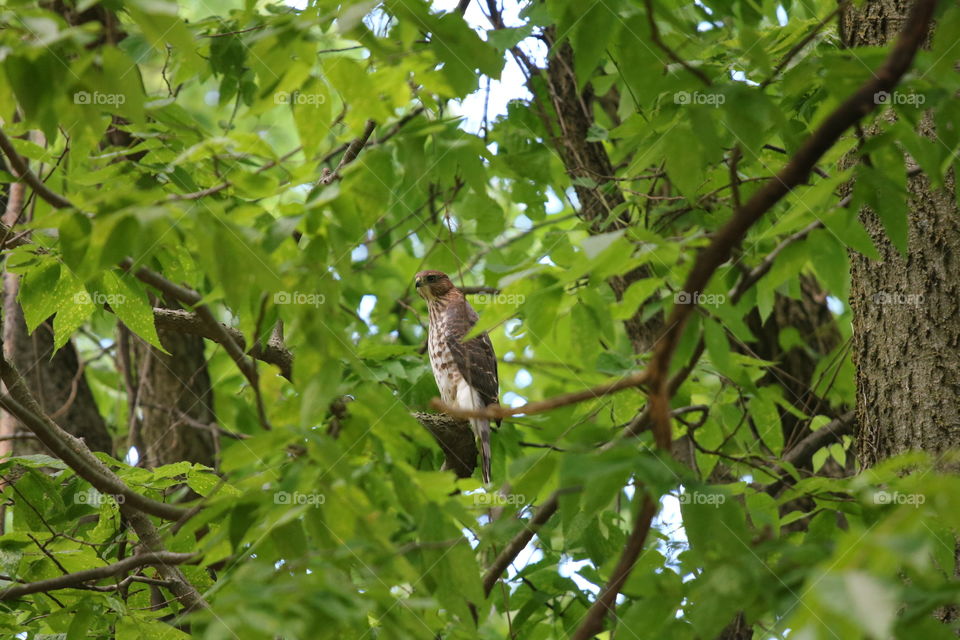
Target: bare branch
{"points": [[520, 541], [272, 352], [22, 171], [655, 37], [350, 154], [495, 411], [592, 621], [77, 579], [803, 451], [21, 403]]}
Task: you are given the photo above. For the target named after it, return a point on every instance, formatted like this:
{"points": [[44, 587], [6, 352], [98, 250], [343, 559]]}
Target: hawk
{"points": [[466, 372]]}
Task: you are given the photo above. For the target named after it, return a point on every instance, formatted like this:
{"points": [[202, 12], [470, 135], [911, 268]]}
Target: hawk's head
{"points": [[433, 284]]}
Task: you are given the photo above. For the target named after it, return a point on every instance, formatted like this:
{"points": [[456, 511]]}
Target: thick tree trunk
{"points": [[906, 310], [172, 399], [56, 379]]}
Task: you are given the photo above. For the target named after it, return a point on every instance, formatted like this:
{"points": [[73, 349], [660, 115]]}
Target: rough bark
{"points": [[54, 378], [572, 114], [906, 310], [173, 399]]}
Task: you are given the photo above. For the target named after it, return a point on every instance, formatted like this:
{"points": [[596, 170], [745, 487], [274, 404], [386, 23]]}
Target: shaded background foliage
{"points": [[288, 170]]}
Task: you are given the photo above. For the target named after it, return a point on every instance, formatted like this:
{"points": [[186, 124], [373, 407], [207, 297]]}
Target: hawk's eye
{"points": [[431, 278]]}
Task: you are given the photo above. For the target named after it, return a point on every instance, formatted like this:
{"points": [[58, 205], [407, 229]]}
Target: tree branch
{"points": [[19, 402], [592, 621], [272, 352], [496, 411], [520, 541], [456, 440], [74, 580], [831, 432], [353, 150], [188, 296], [655, 37], [718, 251], [22, 171]]}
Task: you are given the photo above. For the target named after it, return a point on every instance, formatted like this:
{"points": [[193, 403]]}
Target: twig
{"points": [[23, 172], [353, 150], [797, 48], [803, 451], [655, 37], [494, 411], [209, 191]]}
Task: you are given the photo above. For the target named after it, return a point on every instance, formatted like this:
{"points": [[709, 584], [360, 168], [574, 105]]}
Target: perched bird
{"points": [[466, 372]]}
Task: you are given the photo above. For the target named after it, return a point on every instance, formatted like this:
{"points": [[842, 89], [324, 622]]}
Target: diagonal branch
{"points": [[520, 541], [655, 37], [23, 172], [272, 352], [180, 293], [77, 579], [718, 251], [74, 452]]}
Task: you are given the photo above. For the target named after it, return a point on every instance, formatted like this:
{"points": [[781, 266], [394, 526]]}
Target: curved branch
{"points": [[77, 579], [272, 352], [718, 251], [23, 172]]}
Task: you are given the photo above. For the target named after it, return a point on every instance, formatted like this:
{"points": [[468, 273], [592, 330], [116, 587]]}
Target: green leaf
{"points": [[129, 301]]}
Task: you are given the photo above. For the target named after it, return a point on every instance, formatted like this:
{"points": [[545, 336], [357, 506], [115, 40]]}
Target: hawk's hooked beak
{"points": [[419, 282]]}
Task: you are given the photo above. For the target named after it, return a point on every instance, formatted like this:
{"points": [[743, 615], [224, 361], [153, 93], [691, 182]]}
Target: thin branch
{"points": [[353, 150], [655, 37], [77, 579], [20, 403], [209, 191], [797, 48], [520, 541], [831, 432], [592, 622], [495, 411], [22, 171]]}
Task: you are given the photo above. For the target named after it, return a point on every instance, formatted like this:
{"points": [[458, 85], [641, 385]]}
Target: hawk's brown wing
{"points": [[474, 358]]}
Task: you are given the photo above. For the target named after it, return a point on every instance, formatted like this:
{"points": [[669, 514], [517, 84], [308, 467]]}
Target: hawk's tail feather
{"points": [[481, 427]]}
